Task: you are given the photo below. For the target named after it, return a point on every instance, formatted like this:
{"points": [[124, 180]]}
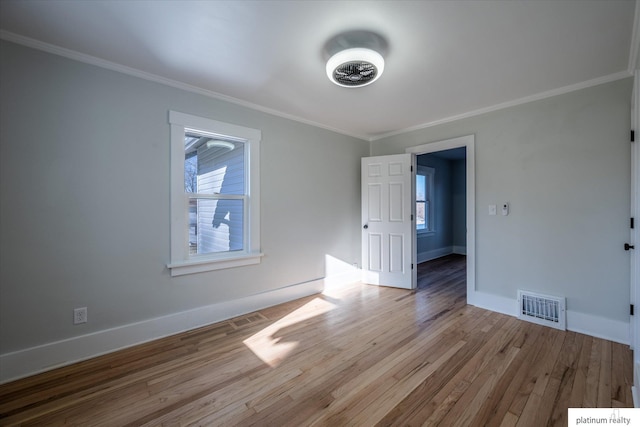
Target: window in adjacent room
{"points": [[215, 195], [424, 199]]}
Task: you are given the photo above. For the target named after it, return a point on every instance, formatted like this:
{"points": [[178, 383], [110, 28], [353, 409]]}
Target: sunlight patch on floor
{"points": [[272, 344]]}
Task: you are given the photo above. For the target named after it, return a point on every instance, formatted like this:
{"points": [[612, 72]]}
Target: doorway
{"points": [[441, 204], [466, 143], [441, 217]]}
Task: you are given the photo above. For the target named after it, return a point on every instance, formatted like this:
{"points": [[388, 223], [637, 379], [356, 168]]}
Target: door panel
{"points": [[375, 252], [387, 221], [396, 202], [375, 202], [396, 255]]}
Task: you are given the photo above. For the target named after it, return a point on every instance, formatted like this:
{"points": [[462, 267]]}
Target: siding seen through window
{"points": [[215, 195], [215, 183]]}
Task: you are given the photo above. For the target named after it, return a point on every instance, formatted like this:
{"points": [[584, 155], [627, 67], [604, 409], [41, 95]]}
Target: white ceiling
{"points": [[446, 59]]}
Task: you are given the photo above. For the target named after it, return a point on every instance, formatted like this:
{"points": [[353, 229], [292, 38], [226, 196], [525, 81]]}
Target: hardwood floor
{"points": [[359, 355]]}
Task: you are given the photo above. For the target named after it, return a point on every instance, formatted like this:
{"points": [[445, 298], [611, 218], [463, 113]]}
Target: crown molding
{"points": [[635, 40], [536, 97], [113, 66], [102, 63]]}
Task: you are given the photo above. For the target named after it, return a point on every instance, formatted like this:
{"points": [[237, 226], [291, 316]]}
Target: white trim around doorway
{"points": [[467, 141]]}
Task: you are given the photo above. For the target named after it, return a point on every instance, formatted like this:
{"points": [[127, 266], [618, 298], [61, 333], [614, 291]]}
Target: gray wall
{"points": [[442, 236], [84, 197], [563, 163]]}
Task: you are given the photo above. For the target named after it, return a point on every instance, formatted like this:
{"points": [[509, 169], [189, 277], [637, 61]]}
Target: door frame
{"points": [[634, 239], [467, 141]]}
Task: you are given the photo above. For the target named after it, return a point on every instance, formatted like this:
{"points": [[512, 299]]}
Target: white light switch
{"points": [[493, 210], [505, 209]]}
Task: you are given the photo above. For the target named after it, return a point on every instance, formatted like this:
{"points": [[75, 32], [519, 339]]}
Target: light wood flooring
{"points": [[359, 355]]}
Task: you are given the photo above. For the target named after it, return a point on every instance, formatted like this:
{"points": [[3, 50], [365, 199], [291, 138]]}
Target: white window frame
{"points": [[429, 174], [181, 261]]}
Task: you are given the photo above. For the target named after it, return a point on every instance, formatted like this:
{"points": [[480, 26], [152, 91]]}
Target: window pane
{"points": [[193, 226], [214, 166], [421, 187], [420, 216], [191, 173], [427, 216], [216, 225]]}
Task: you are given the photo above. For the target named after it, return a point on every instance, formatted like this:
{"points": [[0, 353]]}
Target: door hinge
{"points": [[631, 309], [633, 136], [412, 218], [631, 223], [412, 266], [411, 168]]}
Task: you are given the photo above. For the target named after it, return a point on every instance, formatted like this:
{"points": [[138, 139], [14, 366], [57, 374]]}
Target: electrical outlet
{"points": [[79, 315]]}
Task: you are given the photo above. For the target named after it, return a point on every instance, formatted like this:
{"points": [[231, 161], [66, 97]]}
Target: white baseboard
{"points": [[599, 327], [440, 252], [460, 250], [30, 361], [354, 275], [434, 254], [595, 326], [495, 303], [636, 381], [23, 363]]}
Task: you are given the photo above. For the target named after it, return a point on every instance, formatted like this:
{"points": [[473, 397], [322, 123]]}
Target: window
{"points": [[215, 195], [424, 199]]}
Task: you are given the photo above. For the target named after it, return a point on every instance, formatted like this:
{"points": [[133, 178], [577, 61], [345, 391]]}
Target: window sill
{"points": [[425, 233], [200, 265]]}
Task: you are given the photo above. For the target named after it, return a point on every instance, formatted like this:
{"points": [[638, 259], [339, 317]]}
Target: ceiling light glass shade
{"points": [[355, 67]]}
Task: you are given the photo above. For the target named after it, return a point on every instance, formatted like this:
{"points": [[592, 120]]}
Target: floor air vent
{"points": [[542, 309]]}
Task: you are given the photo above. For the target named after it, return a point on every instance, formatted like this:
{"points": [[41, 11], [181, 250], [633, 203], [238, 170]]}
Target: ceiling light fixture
{"points": [[222, 144], [355, 67], [355, 58]]}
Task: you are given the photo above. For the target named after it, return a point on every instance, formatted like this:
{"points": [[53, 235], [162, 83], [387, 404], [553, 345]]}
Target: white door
{"points": [[387, 221], [634, 239]]}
